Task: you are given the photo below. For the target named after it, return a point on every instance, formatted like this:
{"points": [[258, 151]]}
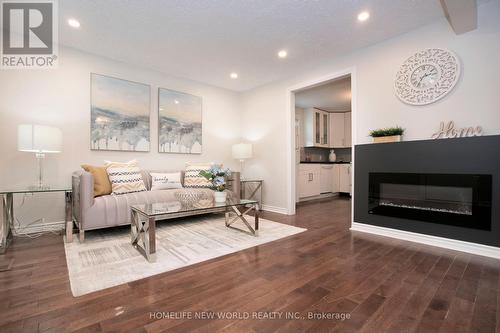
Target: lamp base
{"points": [[39, 186], [242, 165]]}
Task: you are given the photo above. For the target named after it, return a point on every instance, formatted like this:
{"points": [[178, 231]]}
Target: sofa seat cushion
{"points": [[112, 210]]}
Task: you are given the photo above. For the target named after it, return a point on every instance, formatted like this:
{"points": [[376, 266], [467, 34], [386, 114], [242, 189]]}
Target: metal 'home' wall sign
{"points": [[448, 130]]}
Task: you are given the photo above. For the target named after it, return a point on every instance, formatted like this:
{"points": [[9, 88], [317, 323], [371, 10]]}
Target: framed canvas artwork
{"points": [[120, 112], [179, 122]]}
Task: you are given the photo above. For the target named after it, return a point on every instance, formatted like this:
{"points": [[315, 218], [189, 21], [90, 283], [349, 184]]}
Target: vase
{"points": [[220, 196], [391, 138], [332, 157]]}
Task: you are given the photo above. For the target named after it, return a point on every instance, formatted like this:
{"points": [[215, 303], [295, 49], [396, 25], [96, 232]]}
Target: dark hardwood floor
{"points": [[381, 284]]}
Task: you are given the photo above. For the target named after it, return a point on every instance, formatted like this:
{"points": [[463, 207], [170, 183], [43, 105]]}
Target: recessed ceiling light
{"points": [[282, 54], [363, 16], [73, 23], [176, 102], [234, 75]]}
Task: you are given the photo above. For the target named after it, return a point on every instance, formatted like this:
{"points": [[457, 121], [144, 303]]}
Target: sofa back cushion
{"points": [[125, 177], [102, 185], [192, 177]]}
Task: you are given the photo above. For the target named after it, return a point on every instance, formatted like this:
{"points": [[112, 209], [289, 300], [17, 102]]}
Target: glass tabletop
{"points": [[171, 207], [35, 189]]}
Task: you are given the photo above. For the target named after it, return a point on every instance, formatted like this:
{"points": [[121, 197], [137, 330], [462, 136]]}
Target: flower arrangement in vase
{"points": [[217, 176]]}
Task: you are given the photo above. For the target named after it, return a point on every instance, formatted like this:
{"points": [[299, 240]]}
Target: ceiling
{"points": [[206, 40], [332, 96]]}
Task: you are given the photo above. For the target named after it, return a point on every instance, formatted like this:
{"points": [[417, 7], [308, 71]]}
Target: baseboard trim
{"points": [[321, 196], [453, 244], [274, 209]]}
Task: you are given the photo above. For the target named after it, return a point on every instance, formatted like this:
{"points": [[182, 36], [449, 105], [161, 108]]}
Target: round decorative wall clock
{"points": [[427, 76]]}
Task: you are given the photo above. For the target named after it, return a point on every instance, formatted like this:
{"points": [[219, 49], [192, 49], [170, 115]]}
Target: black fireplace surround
{"points": [[447, 188]]}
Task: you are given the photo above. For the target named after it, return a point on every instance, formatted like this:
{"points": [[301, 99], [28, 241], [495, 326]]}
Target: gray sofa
{"points": [[106, 211]]}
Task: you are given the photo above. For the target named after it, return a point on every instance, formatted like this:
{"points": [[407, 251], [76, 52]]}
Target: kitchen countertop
{"points": [[325, 162]]}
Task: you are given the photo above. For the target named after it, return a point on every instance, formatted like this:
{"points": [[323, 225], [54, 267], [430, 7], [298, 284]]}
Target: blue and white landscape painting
{"points": [[119, 114], [179, 129]]}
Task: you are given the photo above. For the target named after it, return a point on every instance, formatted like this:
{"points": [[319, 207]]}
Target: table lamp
{"points": [[40, 140], [242, 151]]}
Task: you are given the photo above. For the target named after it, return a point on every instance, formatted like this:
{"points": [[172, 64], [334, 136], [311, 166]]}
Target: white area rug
{"points": [[107, 258]]}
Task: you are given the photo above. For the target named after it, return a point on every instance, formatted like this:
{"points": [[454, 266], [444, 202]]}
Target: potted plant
{"points": [[390, 134], [217, 176]]}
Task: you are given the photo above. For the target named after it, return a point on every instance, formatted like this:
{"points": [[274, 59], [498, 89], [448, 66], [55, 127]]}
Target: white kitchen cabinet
{"points": [[316, 128], [340, 130], [325, 125], [309, 183], [314, 179], [326, 178], [303, 186], [345, 178], [336, 178], [337, 129]]}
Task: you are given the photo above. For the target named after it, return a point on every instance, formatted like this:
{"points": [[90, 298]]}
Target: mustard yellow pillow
{"points": [[102, 185]]}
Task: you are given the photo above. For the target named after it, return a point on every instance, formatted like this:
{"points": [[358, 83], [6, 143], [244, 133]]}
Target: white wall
{"points": [[61, 98], [475, 100]]}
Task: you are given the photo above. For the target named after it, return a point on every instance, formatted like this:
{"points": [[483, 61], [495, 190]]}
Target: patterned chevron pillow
{"points": [[111, 164], [192, 177], [125, 177]]}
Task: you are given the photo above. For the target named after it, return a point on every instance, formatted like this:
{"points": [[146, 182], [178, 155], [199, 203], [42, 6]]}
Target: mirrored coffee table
{"points": [[144, 217]]}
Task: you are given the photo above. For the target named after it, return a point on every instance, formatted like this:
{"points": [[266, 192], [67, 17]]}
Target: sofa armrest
{"points": [[83, 194]]}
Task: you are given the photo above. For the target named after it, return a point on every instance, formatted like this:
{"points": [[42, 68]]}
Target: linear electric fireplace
{"points": [[452, 199]]}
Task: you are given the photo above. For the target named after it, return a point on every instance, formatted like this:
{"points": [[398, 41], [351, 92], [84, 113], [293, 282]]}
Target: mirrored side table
{"points": [[251, 189], [7, 209]]}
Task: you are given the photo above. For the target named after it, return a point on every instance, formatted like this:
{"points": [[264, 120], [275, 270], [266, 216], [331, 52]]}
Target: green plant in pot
{"points": [[389, 134], [217, 176]]}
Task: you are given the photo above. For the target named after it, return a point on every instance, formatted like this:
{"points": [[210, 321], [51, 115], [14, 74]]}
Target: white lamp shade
{"points": [[39, 139], [242, 151]]}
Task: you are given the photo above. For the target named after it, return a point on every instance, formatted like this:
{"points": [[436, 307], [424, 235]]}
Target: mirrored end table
{"points": [[251, 189], [7, 209]]}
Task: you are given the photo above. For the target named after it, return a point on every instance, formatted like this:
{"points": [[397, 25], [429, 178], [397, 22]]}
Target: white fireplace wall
{"points": [[474, 101]]}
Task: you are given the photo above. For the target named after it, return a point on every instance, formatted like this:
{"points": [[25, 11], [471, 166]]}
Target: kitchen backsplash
{"points": [[315, 154]]}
